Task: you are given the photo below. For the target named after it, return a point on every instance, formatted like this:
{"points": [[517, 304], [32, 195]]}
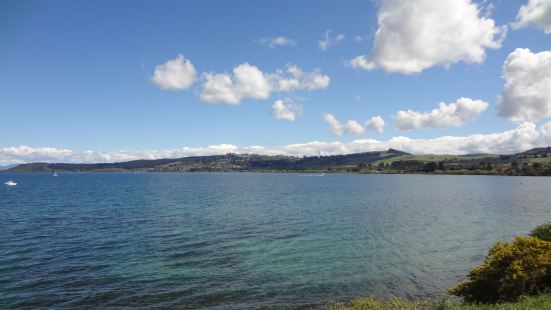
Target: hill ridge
{"points": [[535, 161]]}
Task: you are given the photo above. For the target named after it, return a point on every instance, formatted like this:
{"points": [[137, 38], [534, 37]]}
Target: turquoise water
{"points": [[246, 240]]}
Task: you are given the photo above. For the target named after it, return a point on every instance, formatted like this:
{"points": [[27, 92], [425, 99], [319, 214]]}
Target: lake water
{"points": [[250, 240]]}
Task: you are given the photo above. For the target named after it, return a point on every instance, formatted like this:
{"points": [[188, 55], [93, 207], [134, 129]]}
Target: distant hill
{"points": [[6, 167], [536, 161], [537, 151], [228, 162]]}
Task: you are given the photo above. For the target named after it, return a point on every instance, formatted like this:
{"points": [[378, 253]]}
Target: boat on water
{"points": [[55, 173], [10, 183]]}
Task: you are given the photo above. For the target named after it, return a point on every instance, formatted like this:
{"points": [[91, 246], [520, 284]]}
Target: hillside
{"points": [[228, 162], [531, 162]]}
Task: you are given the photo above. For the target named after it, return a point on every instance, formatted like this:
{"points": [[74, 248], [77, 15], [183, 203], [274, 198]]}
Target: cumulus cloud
{"points": [[330, 40], [286, 110], [446, 115], [245, 82], [175, 74], [376, 124], [521, 138], [416, 35], [527, 92], [277, 41], [23, 154], [248, 81], [352, 127], [337, 129], [295, 78], [535, 12]]}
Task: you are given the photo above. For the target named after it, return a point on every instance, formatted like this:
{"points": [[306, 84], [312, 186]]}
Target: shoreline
{"points": [[313, 173]]}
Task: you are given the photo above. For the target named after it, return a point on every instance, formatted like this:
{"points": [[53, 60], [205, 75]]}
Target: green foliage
{"points": [[509, 271], [542, 232], [430, 166], [370, 303]]}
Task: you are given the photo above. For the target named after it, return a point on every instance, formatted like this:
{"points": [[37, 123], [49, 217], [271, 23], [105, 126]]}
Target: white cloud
{"points": [[328, 40], [360, 38], [23, 154], [248, 81], [416, 35], [277, 41], [527, 92], [337, 129], [536, 12], [521, 138], [286, 110], [352, 127], [297, 79], [376, 124], [175, 74], [446, 115]]}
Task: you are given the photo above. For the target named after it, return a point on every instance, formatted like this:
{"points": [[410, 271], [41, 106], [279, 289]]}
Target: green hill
{"points": [[536, 161], [228, 162]]}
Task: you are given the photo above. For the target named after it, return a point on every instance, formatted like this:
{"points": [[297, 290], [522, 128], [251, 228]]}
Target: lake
{"points": [[250, 240]]}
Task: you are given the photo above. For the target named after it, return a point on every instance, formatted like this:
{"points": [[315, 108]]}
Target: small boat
{"points": [[55, 173], [10, 183]]}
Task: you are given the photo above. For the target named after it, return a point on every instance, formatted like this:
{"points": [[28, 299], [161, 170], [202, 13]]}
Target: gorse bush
{"points": [[511, 270], [542, 232]]}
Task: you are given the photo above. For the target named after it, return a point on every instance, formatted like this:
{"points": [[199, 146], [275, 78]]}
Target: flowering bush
{"points": [[511, 270]]}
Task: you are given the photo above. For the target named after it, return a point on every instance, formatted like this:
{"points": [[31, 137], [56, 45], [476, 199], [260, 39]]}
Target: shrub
{"points": [[510, 271], [542, 232]]}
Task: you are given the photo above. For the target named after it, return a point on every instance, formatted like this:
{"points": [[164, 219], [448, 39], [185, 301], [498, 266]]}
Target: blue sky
{"points": [[77, 75]]}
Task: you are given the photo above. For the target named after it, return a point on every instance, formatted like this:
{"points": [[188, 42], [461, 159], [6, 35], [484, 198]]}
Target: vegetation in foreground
{"points": [[395, 303], [511, 270], [514, 275]]}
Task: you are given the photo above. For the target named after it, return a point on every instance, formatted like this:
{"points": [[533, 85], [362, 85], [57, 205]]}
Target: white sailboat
{"points": [[55, 173]]}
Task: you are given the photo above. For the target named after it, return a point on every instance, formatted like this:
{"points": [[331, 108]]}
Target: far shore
{"points": [[313, 173]]}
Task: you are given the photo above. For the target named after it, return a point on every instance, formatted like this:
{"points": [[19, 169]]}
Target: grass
{"points": [[437, 158], [451, 159], [395, 303]]}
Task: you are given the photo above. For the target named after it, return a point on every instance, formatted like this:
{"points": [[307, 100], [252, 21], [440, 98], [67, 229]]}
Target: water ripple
{"points": [[233, 241]]}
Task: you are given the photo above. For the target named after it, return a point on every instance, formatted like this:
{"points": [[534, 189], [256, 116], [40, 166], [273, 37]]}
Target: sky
{"points": [[105, 81]]}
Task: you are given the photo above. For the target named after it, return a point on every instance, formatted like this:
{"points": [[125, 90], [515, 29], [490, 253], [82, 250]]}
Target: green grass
{"points": [[395, 303], [438, 158], [450, 159]]}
